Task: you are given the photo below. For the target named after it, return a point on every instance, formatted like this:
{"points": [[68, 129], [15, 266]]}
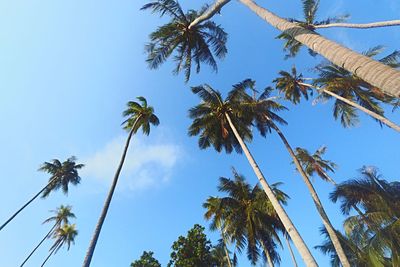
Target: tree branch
{"points": [[388, 23], [211, 11]]}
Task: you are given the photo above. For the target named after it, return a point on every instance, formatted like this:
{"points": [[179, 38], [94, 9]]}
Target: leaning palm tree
{"points": [[190, 46], [247, 218], [139, 115], [62, 175], [62, 216], [221, 255], [351, 94], [373, 72], [380, 201], [266, 120], [64, 236], [218, 123]]}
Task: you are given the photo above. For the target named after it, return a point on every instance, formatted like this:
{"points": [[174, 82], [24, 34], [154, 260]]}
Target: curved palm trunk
{"points": [[291, 251], [371, 71], [226, 250], [269, 260], [287, 223], [93, 242], [26, 204], [379, 24], [325, 219], [38, 245], [374, 115], [48, 257]]}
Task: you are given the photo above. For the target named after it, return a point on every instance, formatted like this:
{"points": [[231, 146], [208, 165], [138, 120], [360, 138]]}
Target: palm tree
{"points": [[62, 174], [221, 255], [373, 72], [217, 123], [190, 46], [265, 119], [351, 93], [64, 236], [138, 116], [61, 217], [247, 217], [380, 201]]}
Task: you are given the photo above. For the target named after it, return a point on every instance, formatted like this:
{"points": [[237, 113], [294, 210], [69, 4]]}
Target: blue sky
{"points": [[67, 69]]}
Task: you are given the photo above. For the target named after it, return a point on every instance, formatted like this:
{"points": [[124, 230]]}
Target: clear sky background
{"points": [[67, 69]]}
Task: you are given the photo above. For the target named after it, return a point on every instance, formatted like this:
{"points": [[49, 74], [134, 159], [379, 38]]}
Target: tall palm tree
{"points": [[62, 216], [373, 72], [139, 115], [218, 124], [247, 217], [350, 93], [64, 236], [380, 200], [265, 119], [190, 46], [62, 175]]}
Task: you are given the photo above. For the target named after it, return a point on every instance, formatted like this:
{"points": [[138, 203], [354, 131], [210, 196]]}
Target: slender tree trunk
{"points": [[289, 226], [379, 24], [291, 251], [92, 245], [371, 71], [40, 243], [269, 259], [325, 219], [226, 249], [48, 257], [26, 204], [374, 115]]}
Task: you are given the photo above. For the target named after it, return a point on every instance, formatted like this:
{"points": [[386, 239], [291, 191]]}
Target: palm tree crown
{"points": [[62, 215], [190, 45], [62, 174], [64, 236], [139, 116]]}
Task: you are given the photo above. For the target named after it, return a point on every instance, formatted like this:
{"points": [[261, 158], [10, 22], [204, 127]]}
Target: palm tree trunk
{"points": [[379, 24], [270, 262], [291, 251], [93, 242], [288, 224], [48, 257], [357, 106], [226, 249], [26, 204], [325, 219], [371, 71], [40, 243]]}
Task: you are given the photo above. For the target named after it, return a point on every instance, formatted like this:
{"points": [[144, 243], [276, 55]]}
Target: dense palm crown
{"points": [[347, 85], [139, 115], [246, 217], [380, 201], [62, 174], [61, 215], [315, 164], [289, 83], [190, 45], [211, 124], [310, 9], [64, 236]]}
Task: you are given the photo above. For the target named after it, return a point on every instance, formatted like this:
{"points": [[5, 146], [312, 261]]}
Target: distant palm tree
{"points": [[387, 78], [61, 217], [221, 255], [64, 236], [247, 217], [190, 46], [351, 94], [265, 119], [380, 200], [138, 116], [62, 174], [218, 124]]}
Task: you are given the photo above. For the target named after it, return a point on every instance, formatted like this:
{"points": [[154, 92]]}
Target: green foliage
{"points": [[139, 115], [146, 260], [188, 45], [62, 174], [290, 85], [64, 236], [194, 250]]}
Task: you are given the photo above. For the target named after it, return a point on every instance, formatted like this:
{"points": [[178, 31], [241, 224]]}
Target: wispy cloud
{"points": [[148, 163]]}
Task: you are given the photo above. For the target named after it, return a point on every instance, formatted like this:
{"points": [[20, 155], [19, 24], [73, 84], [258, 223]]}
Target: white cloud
{"points": [[147, 164]]}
